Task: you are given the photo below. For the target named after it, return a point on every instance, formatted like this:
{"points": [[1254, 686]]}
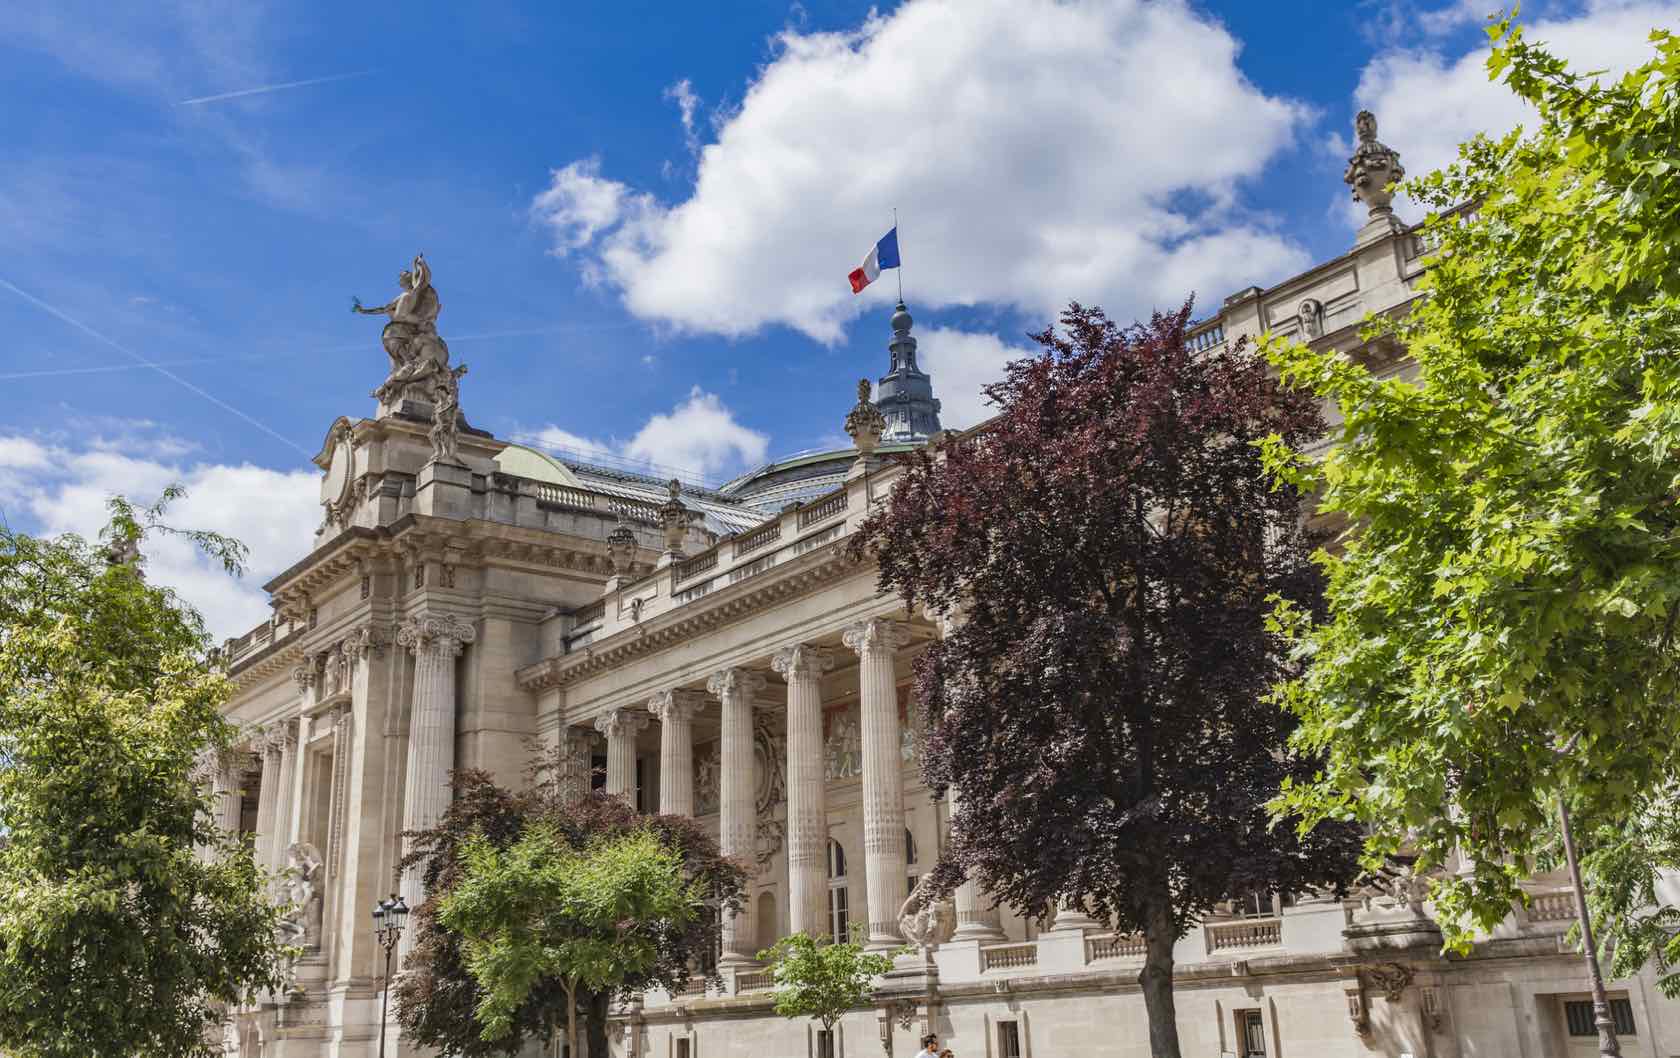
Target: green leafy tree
{"points": [[439, 998], [821, 980], [128, 919], [544, 909], [1502, 617]]}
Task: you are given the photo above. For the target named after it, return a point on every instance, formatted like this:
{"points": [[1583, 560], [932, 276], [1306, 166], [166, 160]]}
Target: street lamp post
{"points": [[389, 917], [1608, 1045]]}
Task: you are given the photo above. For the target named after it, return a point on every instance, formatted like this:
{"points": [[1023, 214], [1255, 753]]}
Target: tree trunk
{"points": [[571, 1019], [597, 1027], [1156, 977]]}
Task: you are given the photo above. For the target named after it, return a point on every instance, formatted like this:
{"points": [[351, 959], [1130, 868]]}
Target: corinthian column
{"points": [[807, 839], [877, 643], [621, 726], [268, 792], [675, 711], [435, 640], [737, 814]]}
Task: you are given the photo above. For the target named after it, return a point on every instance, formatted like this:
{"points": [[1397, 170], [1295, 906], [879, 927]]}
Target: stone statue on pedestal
{"points": [[927, 919], [411, 338]]}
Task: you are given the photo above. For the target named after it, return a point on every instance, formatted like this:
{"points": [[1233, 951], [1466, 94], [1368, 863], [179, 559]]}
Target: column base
{"points": [[978, 931]]}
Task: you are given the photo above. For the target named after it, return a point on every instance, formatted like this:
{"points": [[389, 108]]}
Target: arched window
{"points": [[839, 918]]}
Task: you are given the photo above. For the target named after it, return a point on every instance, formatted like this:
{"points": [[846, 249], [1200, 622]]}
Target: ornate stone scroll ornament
{"points": [[1312, 318], [927, 918], [1373, 167], [410, 338], [366, 640], [865, 423], [1390, 979], [442, 633]]}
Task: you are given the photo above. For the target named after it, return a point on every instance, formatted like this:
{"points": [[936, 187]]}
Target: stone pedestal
{"points": [[737, 813], [444, 490], [436, 640], [877, 643], [807, 824]]}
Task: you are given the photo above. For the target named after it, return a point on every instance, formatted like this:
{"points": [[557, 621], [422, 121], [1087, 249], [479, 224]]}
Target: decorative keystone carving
{"points": [[675, 705], [443, 634], [1389, 978], [1311, 313], [1373, 167], [622, 723], [876, 635], [865, 423], [802, 662], [736, 681]]}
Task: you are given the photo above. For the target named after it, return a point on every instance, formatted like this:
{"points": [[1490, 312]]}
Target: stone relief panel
{"points": [[843, 748], [769, 768]]}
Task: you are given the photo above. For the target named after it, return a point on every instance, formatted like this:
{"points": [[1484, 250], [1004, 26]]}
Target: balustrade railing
{"points": [[695, 566], [1008, 956], [1556, 906], [563, 496], [755, 981], [751, 569], [822, 510], [768, 533], [1206, 336], [1243, 934], [1114, 946]]}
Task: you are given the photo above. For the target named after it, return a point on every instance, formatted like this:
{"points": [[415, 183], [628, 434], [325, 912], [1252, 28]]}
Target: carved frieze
{"points": [[843, 748]]}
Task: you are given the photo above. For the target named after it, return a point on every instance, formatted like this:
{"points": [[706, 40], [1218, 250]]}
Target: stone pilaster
{"points": [[737, 813], [435, 640], [268, 793], [877, 643], [284, 738], [807, 838], [675, 711], [621, 726]]}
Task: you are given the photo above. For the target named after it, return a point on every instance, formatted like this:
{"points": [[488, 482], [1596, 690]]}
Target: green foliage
{"points": [[822, 980], [546, 909], [127, 917], [1503, 616]]}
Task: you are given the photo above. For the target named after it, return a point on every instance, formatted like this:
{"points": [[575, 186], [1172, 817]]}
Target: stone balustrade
{"points": [[1008, 957], [754, 981], [1243, 934], [1557, 905], [1114, 946]]}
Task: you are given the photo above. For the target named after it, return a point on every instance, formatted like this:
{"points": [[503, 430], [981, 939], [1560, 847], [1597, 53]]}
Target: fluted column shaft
{"points": [[675, 712], [267, 795], [807, 824], [435, 641], [737, 812], [877, 643], [224, 786], [621, 726]]}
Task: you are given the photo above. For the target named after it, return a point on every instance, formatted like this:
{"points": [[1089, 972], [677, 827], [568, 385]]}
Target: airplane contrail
{"points": [[159, 368], [264, 89]]}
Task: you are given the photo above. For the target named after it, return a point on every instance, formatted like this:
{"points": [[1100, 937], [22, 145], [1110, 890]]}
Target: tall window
{"points": [[910, 859], [1009, 1039], [825, 1043], [839, 925], [1260, 903], [1251, 1028]]}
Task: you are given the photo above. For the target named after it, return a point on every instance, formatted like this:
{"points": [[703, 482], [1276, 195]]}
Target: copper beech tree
{"points": [[1107, 546]]}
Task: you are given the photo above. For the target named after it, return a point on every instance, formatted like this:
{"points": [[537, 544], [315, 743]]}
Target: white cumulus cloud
{"points": [[54, 486], [699, 440], [1428, 100], [962, 364], [1037, 151]]}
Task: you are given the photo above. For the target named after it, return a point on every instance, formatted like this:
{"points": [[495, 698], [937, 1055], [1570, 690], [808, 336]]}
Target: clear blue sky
{"points": [[641, 215]]}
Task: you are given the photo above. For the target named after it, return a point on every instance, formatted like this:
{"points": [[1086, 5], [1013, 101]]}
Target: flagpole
{"points": [[900, 258]]}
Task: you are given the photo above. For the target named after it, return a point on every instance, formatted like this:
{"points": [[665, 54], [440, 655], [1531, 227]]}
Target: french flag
{"points": [[882, 255]]}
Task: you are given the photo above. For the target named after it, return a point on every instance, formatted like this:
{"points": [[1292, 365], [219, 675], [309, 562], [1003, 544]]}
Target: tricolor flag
{"points": [[882, 255]]}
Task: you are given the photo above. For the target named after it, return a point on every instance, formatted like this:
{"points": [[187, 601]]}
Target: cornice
{"points": [[719, 608]]}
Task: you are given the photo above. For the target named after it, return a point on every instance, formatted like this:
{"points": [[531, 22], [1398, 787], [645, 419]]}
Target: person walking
{"points": [[930, 1047]]}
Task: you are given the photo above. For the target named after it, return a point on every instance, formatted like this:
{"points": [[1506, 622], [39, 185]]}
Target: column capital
{"points": [[675, 705], [802, 661], [876, 634], [729, 682], [443, 634], [623, 722], [277, 738], [366, 640], [304, 675]]}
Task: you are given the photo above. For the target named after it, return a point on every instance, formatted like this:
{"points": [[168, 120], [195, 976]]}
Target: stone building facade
{"points": [[715, 653]]}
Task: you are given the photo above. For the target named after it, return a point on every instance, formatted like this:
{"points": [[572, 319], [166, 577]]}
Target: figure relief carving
{"points": [[334, 675], [843, 749], [708, 779], [910, 734], [770, 763], [443, 634]]}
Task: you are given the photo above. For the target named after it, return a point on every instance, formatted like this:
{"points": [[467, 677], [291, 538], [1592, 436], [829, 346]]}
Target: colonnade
{"points": [[735, 690]]}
